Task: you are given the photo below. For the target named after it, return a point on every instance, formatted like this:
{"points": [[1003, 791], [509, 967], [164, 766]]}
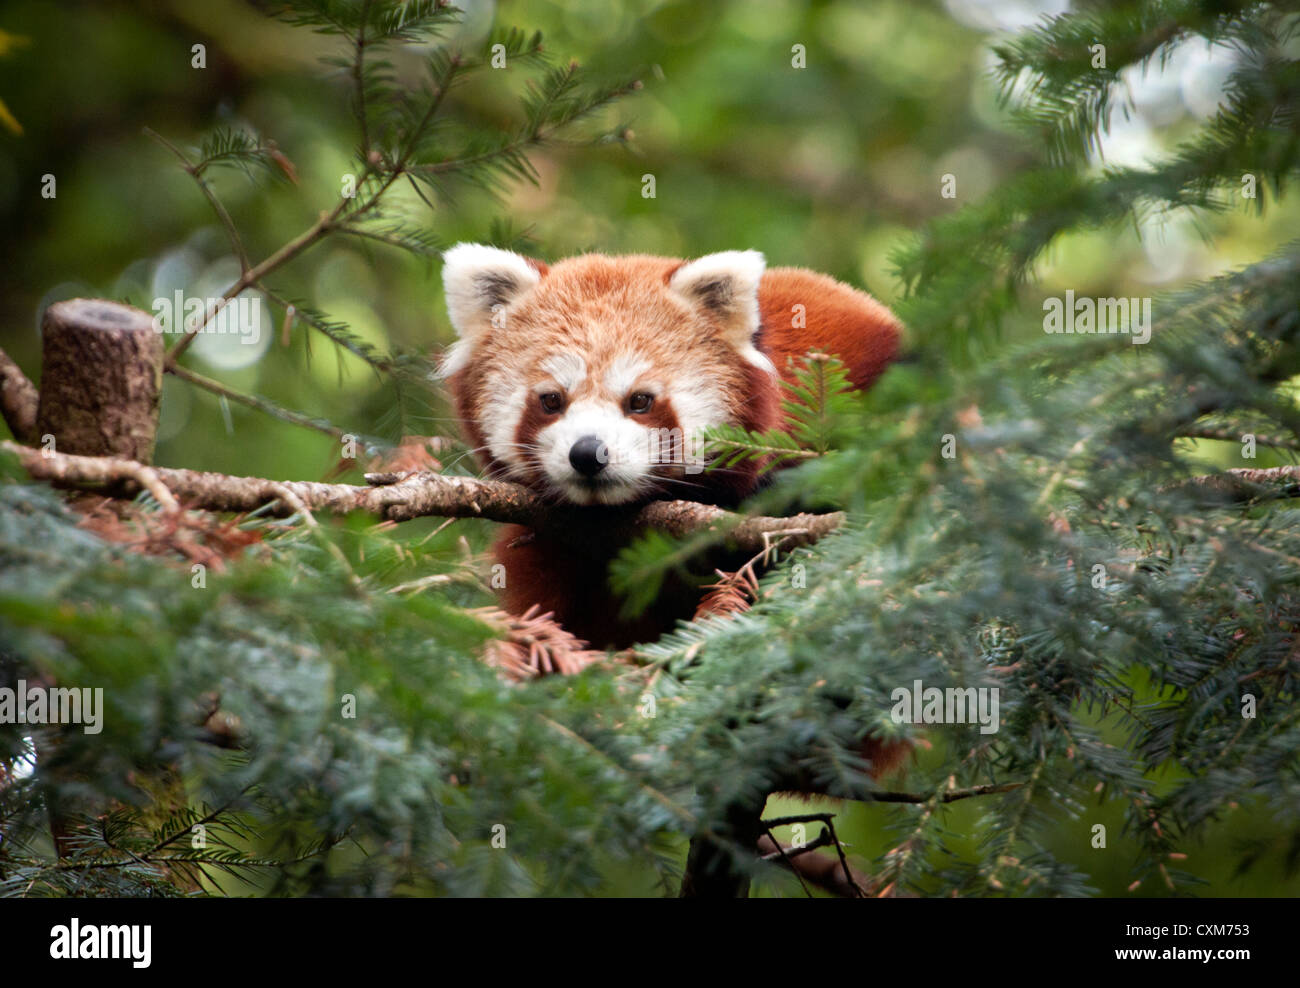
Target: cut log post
{"points": [[101, 378]]}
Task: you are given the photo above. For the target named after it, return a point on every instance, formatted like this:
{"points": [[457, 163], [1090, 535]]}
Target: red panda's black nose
{"points": [[589, 456]]}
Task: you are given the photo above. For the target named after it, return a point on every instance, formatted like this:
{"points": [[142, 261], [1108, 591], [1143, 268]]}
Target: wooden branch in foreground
{"points": [[1247, 483], [401, 497], [19, 400], [1240, 484]]}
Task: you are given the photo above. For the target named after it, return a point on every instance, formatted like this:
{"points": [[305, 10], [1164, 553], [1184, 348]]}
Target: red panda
{"points": [[574, 379]]}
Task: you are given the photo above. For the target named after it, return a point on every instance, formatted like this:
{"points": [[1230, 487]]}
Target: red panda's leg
{"points": [[530, 575]]}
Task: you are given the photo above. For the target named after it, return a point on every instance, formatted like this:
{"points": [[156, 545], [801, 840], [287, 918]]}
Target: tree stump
{"points": [[101, 378]]}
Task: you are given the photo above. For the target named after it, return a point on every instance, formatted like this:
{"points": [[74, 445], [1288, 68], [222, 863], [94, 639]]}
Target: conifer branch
{"points": [[223, 215], [305, 240]]}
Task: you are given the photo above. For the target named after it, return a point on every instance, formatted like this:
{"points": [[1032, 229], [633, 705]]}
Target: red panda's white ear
{"points": [[479, 283], [725, 287]]}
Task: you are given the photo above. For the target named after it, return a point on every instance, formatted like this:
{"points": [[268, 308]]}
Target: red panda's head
{"points": [[590, 379]]}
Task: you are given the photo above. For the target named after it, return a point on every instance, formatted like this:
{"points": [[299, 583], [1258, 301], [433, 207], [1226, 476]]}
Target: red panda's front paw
{"points": [[534, 644]]}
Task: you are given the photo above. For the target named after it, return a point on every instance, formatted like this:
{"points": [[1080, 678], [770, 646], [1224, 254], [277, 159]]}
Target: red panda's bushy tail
{"points": [[835, 319]]}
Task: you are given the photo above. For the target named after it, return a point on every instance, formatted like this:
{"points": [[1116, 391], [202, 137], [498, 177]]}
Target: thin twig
{"points": [[950, 796], [789, 862], [228, 224]]}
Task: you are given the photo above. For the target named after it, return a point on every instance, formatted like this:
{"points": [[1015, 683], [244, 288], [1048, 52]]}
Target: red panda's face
{"points": [[591, 380]]}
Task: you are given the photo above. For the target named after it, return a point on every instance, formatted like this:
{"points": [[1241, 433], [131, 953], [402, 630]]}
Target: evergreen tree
{"points": [[1041, 519]]}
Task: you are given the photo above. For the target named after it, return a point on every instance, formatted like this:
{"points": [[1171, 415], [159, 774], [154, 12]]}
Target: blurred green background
{"points": [[829, 166]]}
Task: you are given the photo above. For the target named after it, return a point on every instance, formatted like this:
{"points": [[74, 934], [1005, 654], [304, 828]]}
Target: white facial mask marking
{"points": [[568, 369], [696, 399], [698, 403], [506, 399], [623, 373], [627, 443]]}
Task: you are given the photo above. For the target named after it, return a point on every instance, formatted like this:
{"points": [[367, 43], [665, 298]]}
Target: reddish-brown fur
{"points": [[838, 320], [594, 300], [571, 580]]}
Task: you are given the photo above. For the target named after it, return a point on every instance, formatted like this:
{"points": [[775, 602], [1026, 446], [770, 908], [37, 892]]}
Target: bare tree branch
{"points": [[1248, 483], [401, 497], [951, 796], [18, 400]]}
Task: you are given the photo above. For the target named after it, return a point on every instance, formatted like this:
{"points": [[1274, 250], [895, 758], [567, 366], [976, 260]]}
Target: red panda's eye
{"points": [[552, 402], [640, 402]]}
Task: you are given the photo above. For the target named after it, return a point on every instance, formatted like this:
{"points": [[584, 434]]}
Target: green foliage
{"points": [[1064, 555], [237, 149], [730, 445], [820, 404], [980, 256], [820, 408], [395, 800], [1067, 87]]}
